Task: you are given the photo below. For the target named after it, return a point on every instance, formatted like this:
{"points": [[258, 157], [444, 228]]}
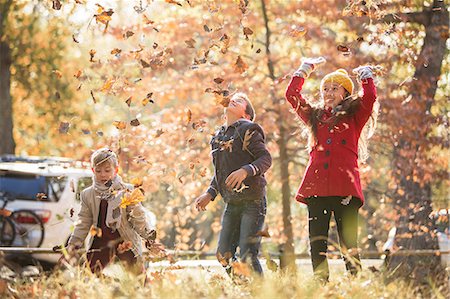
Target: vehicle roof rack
{"points": [[34, 159]]}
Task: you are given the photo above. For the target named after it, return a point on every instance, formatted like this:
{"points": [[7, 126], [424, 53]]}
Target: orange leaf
{"points": [[120, 125], [240, 66]]}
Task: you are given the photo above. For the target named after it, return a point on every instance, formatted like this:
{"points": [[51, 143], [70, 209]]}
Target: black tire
{"points": [[7, 231], [35, 229]]}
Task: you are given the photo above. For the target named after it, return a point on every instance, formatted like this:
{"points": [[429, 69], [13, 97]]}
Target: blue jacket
{"points": [[240, 145]]}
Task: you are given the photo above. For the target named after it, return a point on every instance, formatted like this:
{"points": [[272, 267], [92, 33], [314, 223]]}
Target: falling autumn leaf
{"points": [[206, 28], [248, 135], [41, 196], [247, 31], [240, 66], [128, 34], [95, 231], [128, 101], [147, 21], [135, 122], [190, 43], [218, 80], [92, 54], [56, 5], [120, 125], [75, 39], [137, 182], [189, 115], [116, 51], [132, 198], [297, 32], [78, 74], [342, 48], [174, 2], [108, 85], [57, 73], [93, 97], [64, 127]]}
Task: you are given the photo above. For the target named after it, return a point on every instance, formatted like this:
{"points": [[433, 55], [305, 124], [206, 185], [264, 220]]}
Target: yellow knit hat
{"points": [[340, 76]]}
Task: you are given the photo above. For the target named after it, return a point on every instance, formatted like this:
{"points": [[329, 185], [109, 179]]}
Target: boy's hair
{"points": [[249, 110], [102, 155]]}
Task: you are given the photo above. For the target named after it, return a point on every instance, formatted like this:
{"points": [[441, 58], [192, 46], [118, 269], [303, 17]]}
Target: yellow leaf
{"points": [[107, 86], [132, 198], [248, 135]]}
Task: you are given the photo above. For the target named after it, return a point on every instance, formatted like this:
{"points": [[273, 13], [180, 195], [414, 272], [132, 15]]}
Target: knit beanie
{"points": [[340, 76]]}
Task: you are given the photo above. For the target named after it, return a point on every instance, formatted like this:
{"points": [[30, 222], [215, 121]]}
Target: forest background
{"points": [[149, 79]]}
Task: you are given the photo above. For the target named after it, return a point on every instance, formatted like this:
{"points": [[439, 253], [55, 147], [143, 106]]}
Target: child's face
{"points": [[104, 172], [237, 107], [333, 93]]}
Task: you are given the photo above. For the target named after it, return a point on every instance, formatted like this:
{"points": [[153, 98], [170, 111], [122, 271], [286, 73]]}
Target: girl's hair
{"points": [[102, 155], [249, 110], [347, 108]]}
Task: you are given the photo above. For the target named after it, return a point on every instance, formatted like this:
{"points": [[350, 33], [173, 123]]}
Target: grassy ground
{"points": [[177, 281]]}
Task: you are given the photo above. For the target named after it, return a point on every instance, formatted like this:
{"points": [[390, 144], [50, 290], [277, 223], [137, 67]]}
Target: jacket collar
{"points": [[234, 125]]}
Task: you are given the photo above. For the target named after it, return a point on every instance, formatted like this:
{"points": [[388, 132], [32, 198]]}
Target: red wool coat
{"points": [[333, 161]]}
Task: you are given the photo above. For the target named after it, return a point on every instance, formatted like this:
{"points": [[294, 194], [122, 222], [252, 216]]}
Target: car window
{"points": [[83, 183], [56, 187], [22, 186]]}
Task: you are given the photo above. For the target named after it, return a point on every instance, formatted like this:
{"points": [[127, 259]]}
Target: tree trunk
{"points": [[415, 230], [287, 259], [7, 144]]}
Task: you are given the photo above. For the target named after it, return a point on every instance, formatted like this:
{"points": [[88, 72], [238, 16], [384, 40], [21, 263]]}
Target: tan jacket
{"points": [[133, 226]]}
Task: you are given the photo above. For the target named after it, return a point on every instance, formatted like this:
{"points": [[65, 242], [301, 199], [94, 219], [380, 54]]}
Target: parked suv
{"points": [[51, 188]]}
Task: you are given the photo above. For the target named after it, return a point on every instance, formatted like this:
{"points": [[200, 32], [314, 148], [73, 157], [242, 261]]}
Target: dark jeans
{"points": [[346, 217], [240, 225]]}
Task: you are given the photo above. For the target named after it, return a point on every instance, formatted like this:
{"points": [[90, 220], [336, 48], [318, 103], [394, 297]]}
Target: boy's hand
{"points": [[202, 201], [235, 179]]}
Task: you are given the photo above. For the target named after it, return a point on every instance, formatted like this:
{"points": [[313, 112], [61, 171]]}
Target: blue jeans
{"points": [[240, 225]]}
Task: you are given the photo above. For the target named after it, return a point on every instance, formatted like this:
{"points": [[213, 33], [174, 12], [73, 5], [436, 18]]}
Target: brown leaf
{"points": [[92, 54], [116, 51], [225, 41], [75, 39], [218, 80], [120, 125], [264, 233], [206, 28], [128, 34], [159, 132], [93, 97], [240, 66], [56, 5], [189, 115], [258, 51], [135, 122], [148, 99], [144, 63], [64, 127], [248, 135], [247, 32], [174, 2], [128, 101], [147, 21], [342, 48], [190, 43], [155, 45], [241, 269]]}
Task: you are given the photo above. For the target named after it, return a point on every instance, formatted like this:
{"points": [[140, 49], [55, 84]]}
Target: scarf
{"points": [[112, 192]]}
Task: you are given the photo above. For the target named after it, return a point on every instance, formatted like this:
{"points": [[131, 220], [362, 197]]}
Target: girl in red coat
{"points": [[331, 183]]}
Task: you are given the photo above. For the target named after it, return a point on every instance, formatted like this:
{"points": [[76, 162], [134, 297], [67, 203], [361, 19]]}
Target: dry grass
{"points": [[177, 282]]}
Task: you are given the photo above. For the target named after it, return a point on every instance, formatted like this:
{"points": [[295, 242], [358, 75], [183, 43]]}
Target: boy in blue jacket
{"points": [[240, 159]]}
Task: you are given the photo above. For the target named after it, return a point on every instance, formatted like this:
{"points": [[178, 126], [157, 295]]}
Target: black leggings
{"points": [[346, 217]]}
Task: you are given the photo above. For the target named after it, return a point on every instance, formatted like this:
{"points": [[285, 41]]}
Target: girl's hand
{"points": [[366, 71], [308, 66], [235, 179]]}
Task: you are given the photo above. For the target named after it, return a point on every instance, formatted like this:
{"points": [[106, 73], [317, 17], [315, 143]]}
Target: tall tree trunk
{"points": [[7, 144], [415, 230], [287, 251]]}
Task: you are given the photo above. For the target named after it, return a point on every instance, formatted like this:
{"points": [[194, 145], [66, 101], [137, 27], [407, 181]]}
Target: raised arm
{"points": [[365, 75], [293, 92]]}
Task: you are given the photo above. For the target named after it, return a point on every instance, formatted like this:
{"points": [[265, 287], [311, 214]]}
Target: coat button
{"points": [[327, 152], [329, 141], [325, 165], [344, 141]]}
